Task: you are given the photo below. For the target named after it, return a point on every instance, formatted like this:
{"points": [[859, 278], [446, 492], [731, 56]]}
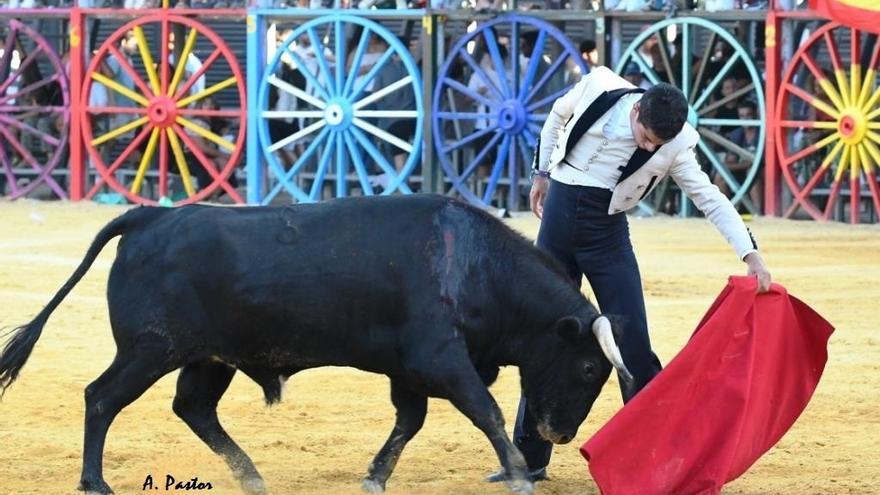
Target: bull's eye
{"points": [[589, 371]]}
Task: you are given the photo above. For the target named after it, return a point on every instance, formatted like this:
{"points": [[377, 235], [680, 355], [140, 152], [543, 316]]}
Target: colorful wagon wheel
{"points": [[34, 115], [353, 121], [485, 126], [828, 137], [726, 99], [164, 125]]}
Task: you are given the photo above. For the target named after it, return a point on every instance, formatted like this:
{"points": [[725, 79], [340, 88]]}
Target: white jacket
{"points": [[675, 158]]}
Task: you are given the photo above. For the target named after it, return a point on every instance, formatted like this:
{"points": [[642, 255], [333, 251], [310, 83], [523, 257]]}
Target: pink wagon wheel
{"points": [[158, 126], [34, 110], [828, 136]]}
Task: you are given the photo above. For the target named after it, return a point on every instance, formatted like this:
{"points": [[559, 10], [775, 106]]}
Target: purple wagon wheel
{"points": [[27, 112], [501, 115]]}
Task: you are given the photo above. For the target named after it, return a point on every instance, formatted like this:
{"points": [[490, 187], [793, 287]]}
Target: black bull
{"points": [[424, 289]]}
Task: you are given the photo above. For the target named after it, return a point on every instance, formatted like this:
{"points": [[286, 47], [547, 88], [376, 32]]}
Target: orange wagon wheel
{"points": [[157, 124], [828, 137]]}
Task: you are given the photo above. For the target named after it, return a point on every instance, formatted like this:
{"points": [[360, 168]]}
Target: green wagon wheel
{"points": [[715, 56]]}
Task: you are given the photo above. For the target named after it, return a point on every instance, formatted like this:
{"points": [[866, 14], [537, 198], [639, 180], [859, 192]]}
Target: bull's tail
{"points": [[21, 343]]}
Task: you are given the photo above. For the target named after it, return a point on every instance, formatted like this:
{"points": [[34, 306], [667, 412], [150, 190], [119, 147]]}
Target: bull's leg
{"points": [[457, 379], [199, 388], [411, 409], [124, 381]]}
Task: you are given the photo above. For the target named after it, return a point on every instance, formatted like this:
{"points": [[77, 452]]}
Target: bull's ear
{"points": [[572, 329]]}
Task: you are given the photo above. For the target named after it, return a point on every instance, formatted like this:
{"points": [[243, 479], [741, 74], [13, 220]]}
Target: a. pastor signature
{"points": [[172, 484]]}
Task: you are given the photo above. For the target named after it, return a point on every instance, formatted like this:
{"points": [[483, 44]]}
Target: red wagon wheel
{"points": [[34, 109], [162, 116], [828, 137]]}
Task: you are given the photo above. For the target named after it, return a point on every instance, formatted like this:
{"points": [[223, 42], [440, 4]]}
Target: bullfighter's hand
{"points": [[759, 270], [538, 194]]}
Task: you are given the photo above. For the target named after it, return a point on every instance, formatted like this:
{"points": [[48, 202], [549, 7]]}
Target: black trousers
{"points": [[577, 231]]}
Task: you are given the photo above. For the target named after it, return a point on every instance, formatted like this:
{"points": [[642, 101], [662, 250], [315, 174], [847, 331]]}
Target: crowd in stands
{"points": [[479, 5], [123, 4]]}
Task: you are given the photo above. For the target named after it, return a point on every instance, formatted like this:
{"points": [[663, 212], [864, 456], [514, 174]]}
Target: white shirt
{"points": [[618, 125], [595, 159]]}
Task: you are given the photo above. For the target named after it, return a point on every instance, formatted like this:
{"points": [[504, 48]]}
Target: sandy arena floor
{"points": [[321, 438]]}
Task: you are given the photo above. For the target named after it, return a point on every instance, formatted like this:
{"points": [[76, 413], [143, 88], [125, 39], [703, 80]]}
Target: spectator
{"points": [[628, 5], [375, 48], [649, 50], [590, 57], [306, 53], [284, 101], [805, 136], [479, 84], [635, 76], [556, 81], [745, 137], [101, 97], [401, 99], [455, 101], [222, 127], [128, 48], [729, 109], [192, 64], [415, 49], [140, 4], [211, 151], [721, 54], [489, 5], [590, 53]]}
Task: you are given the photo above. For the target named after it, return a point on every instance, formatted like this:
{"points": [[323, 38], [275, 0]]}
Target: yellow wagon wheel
{"points": [[828, 132], [162, 123]]}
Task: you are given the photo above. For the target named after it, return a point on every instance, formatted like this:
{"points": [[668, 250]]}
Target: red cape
{"points": [[739, 384]]}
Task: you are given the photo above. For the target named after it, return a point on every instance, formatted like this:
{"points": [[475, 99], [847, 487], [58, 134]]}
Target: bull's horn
{"points": [[602, 330]]}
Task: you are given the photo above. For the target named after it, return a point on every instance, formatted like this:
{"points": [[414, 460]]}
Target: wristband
{"points": [[540, 173]]}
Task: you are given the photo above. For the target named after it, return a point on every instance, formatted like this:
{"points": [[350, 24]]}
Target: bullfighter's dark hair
{"points": [[663, 109]]}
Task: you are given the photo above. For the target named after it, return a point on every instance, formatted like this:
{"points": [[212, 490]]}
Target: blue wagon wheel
{"points": [[485, 126], [716, 58], [351, 119]]}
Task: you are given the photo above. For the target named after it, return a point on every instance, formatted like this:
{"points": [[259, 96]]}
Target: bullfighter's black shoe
{"points": [[539, 474]]}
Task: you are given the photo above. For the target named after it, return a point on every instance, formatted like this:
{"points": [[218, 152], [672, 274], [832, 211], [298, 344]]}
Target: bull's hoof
{"points": [[255, 486], [522, 487], [372, 486], [99, 487], [536, 475]]}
